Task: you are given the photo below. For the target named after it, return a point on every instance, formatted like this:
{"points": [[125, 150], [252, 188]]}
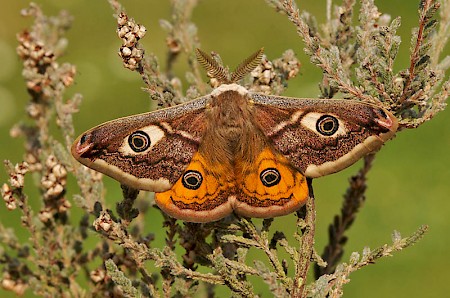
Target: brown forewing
{"points": [[304, 147]]}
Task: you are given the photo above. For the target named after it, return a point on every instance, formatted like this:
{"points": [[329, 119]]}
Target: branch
{"points": [[354, 199]]}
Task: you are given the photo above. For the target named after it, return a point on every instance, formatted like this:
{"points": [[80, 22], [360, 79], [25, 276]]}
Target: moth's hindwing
{"points": [[148, 151], [319, 136], [265, 187], [201, 194], [269, 186]]}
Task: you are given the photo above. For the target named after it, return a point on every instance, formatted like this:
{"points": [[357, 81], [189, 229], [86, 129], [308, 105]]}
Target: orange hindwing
{"points": [[200, 194], [269, 186]]}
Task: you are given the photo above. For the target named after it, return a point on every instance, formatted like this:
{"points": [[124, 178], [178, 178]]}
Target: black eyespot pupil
{"points": [[270, 177], [139, 141], [327, 125], [192, 180]]}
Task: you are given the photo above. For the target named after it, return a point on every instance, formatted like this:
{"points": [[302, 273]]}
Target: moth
{"points": [[234, 150]]}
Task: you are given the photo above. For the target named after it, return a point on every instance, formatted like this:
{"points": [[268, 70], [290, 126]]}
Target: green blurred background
{"points": [[409, 184]]}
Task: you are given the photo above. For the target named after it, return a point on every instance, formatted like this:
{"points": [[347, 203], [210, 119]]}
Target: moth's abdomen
{"points": [[227, 126]]}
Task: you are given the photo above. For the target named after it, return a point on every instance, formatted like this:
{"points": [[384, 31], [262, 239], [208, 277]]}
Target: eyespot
{"points": [[270, 177], [327, 125], [139, 141], [192, 180]]}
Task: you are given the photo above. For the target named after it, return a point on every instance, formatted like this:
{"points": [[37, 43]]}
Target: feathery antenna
{"points": [[213, 68], [217, 71], [247, 65]]}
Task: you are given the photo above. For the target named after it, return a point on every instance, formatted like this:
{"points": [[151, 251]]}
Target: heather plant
{"points": [[355, 50]]}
